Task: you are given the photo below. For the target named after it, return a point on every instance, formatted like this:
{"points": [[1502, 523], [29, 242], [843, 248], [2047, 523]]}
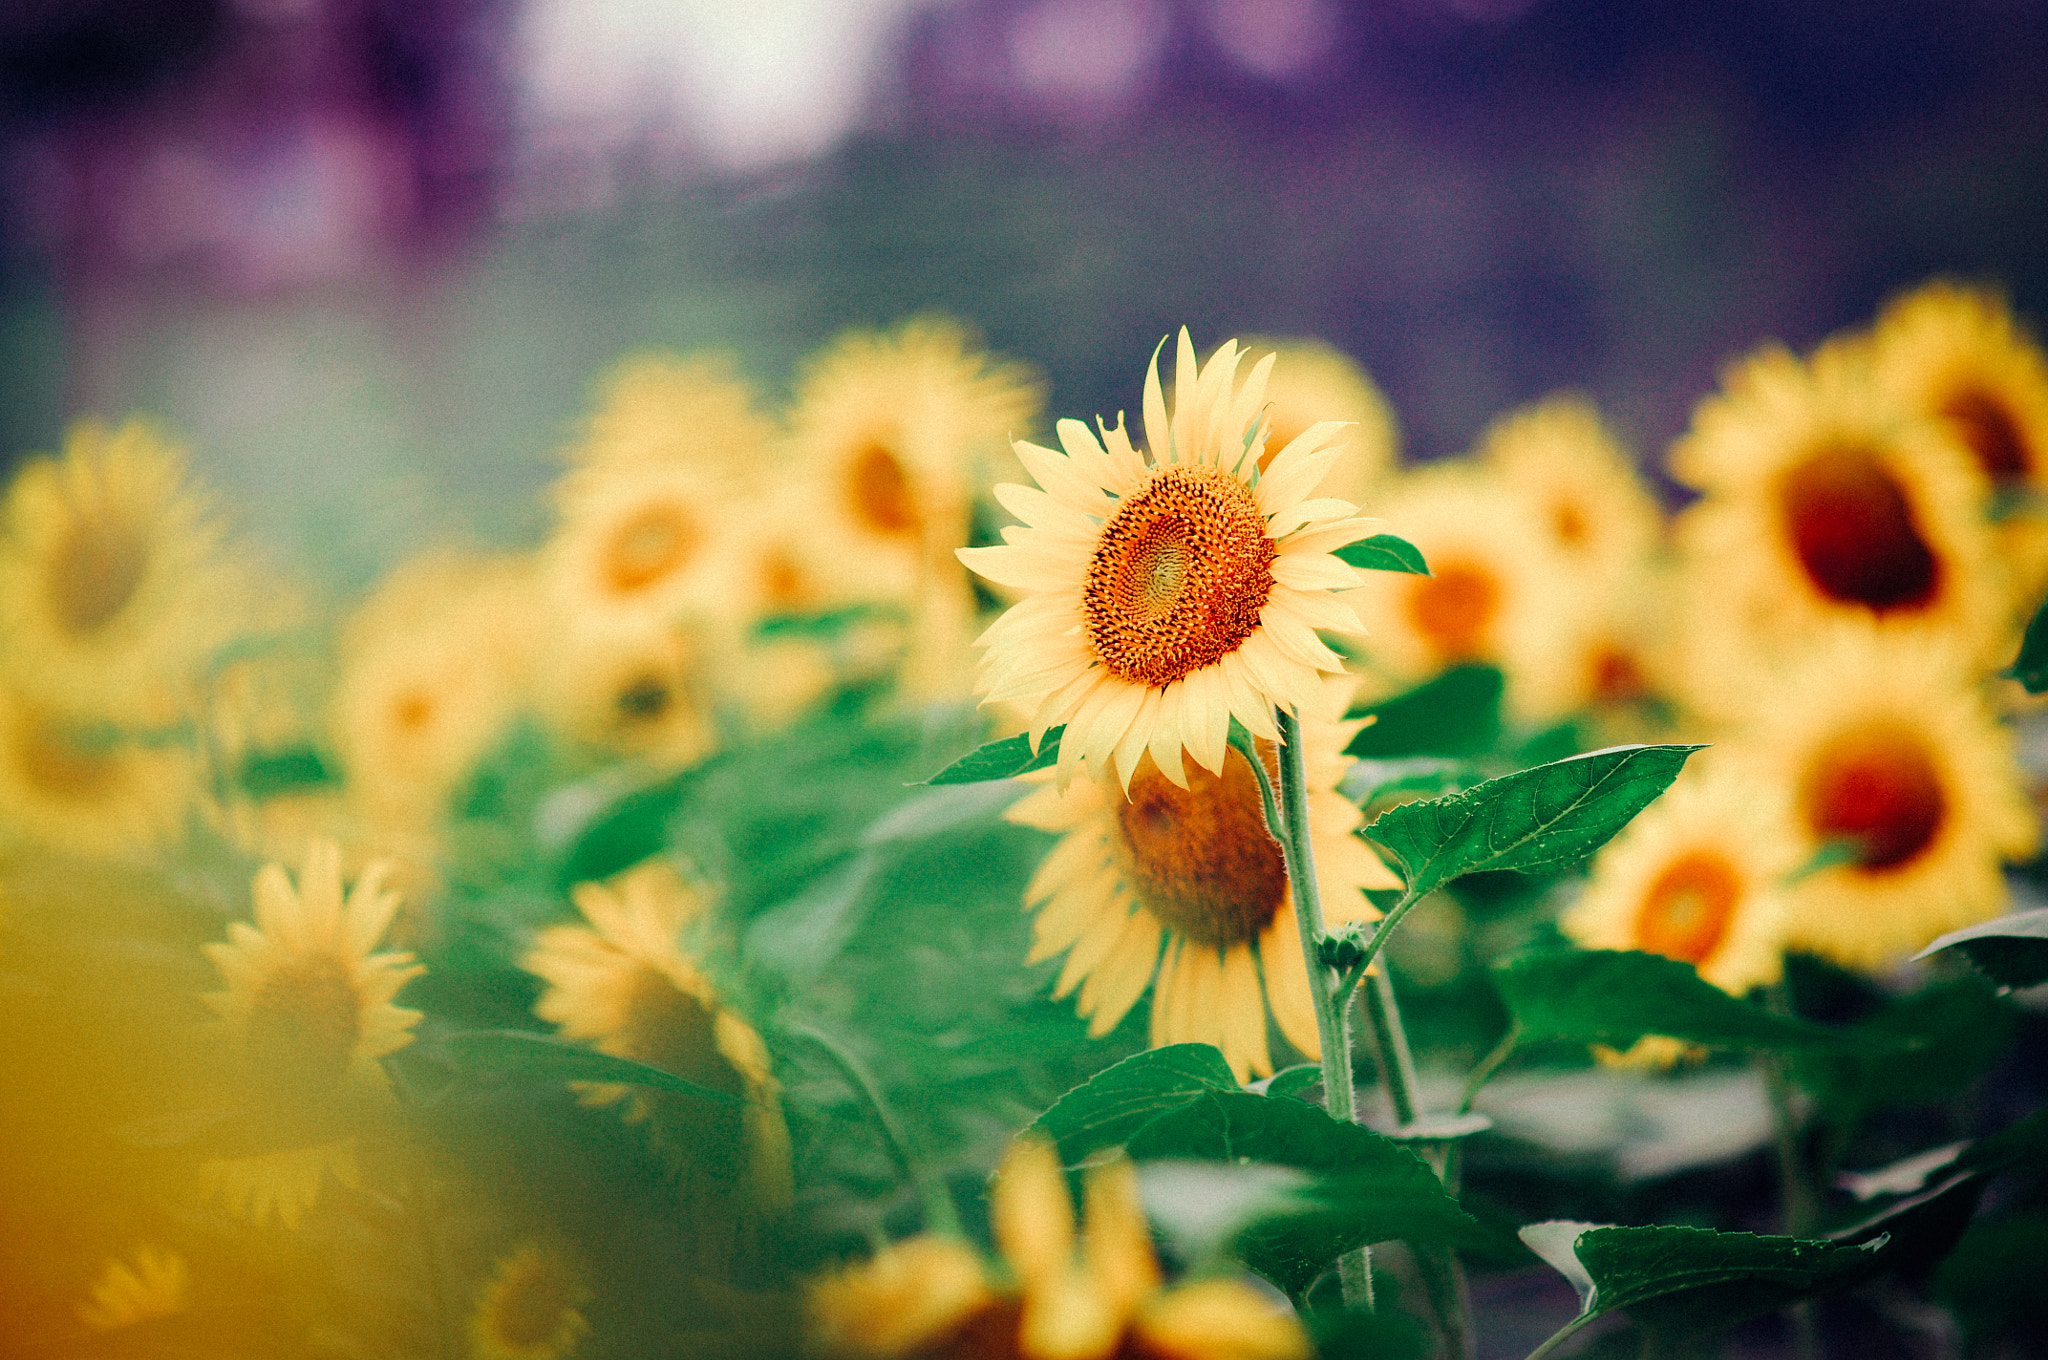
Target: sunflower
{"points": [[1312, 381], [1169, 594], [1193, 868], [308, 1011], [1889, 750], [1957, 354], [934, 1297], [156, 1285], [638, 541], [1580, 486], [625, 983], [531, 1308], [114, 589], [83, 790], [663, 408], [1825, 503], [432, 666], [630, 688], [1607, 656]]}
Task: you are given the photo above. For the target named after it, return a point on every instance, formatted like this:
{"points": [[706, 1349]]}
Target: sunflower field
{"points": [[902, 872]]}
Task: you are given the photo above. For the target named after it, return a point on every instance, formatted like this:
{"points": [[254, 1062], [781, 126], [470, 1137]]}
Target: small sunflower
{"points": [[87, 791], [936, 1299], [1312, 381], [1170, 593], [639, 689], [1582, 488], [531, 1308], [639, 541], [157, 1284], [1608, 657], [1826, 502], [1194, 869], [1892, 751], [625, 983], [114, 589]]}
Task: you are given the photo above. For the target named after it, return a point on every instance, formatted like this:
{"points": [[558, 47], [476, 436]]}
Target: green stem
{"points": [[1560, 1336], [1489, 1065], [937, 1201], [1397, 1063]]}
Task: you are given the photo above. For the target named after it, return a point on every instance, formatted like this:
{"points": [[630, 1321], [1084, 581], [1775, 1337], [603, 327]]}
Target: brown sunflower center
{"points": [[412, 710], [60, 767], [991, 1332], [1178, 576], [1617, 679], [1568, 523], [531, 1307], [1987, 428], [880, 492], [96, 572], [1454, 607], [1687, 908], [1200, 858], [643, 699], [650, 544], [1879, 787], [1855, 532], [305, 1020]]}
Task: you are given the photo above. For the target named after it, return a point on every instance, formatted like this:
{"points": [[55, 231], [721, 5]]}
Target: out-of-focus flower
{"points": [[1195, 868], [87, 790], [932, 1297], [157, 1285], [114, 589], [1587, 499], [1887, 749], [1168, 594], [1312, 381], [661, 408], [637, 539], [531, 1308], [633, 689]]}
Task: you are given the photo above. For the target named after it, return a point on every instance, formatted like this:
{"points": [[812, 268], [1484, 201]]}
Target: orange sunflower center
{"points": [[413, 710], [1616, 678], [1200, 857], [649, 545], [534, 1304], [1568, 523], [1454, 607], [880, 492], [1988, 430], [96, 573], [1178, 576], [60, 767], [305, 1020], [1687, 908], [1854, 531], [1879, 787]]}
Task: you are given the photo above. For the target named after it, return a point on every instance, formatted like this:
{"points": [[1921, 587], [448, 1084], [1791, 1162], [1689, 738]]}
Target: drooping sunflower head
{"points": [[87, 790], [899, 1300], [157, 1284], [1580, 486], [1167, 593], [1312, 382], [532, 1307], [114, 588]]}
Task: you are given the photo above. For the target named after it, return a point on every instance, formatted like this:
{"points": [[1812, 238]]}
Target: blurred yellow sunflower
{"points": [[157, 1284], [1193, 869], [1889, 748], [432, 666], [86, 791], [1580, 485], [626, 983], [665, 408], [1608, 657], [1825, 503], [639, 541], [309, 1012], [531, 1308], [114, 589], [1312, 381], [634, 688], [934, 1297], [1167, 594]]}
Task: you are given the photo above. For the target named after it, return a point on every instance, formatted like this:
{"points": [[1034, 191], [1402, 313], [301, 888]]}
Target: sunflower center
{"points": [[1617, 679], [1200, 858], [651, 544], [1568, 523], [95, 575], [1178, 576], [782, 582], [1880, 788], [305, 1020], [412, 710], [643, 699], [60, 767], [1854, 531], [1688, 907], [880, 490], [532, 1307], [1453, 608], [1988, 430]]}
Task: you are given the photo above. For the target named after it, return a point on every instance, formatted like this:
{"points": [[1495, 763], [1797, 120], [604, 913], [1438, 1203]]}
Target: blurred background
{"points": [[369, 255]]}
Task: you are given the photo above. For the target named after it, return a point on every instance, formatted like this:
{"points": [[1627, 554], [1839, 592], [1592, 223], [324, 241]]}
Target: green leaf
{"points": [[1605, 996], [820, 623], [1917, 1050], [2012, 950], [800, 937], [1001, 759], [266, 774], [2030, 668], [1385, 552], [1368, 1188], [1680, 1281], [551, 1058], [1298, 1081], [1533, 821], [1455, 714], [1116, 1102]]}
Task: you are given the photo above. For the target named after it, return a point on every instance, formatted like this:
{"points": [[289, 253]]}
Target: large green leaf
{"points": [[549, 1058], [1002, 759], [1368, 1188], [1455, 714], [1682, 1281], [1606, 996], [2031, 666], [1121, 1099], [2011, 950], [1918, 1049], [1533, 821], [1385, 552]]}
